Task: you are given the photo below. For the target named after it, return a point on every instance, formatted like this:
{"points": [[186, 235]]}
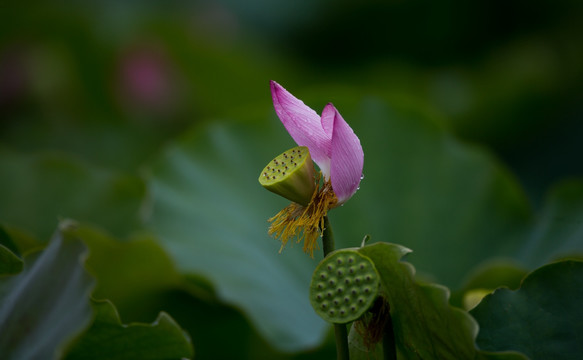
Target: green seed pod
{"points": [[291, 175], [344, 286]]}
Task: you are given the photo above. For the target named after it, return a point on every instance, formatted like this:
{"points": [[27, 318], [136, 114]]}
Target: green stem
{"points": [[341, 336], [327, 237], [389, 348], [340, 332]]}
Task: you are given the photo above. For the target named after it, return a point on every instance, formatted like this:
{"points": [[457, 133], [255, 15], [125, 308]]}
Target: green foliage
{"points": [[358, 350], [133, 274], [78, 139], [108, 338], [209, 227], [543, 319], [557, 232], [434, 193], [192, 185], [10, 261], [47, 304], [424, 323], [503, 355], [37, 190], [486, 278]]}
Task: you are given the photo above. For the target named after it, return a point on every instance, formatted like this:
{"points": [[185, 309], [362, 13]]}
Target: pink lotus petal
{"points": [[347, 159], [303, 124], [327, 120]]}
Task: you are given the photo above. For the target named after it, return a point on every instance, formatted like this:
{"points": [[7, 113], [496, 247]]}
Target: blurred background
{"points": [[504, 74], [112, 85]]}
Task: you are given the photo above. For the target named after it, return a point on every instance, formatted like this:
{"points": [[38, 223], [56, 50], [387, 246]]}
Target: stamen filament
{"points": [[304, 222]]}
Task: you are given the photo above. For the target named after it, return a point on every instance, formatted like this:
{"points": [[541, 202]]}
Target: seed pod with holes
{"points": [[344, 285], [291, 175]]}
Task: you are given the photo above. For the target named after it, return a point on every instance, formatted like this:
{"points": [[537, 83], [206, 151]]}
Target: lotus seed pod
{"points": [[344, 286], [291, 175]]}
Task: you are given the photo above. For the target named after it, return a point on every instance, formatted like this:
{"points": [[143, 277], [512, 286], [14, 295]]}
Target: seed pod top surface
{"points": [[344, 286], [291, 175]]}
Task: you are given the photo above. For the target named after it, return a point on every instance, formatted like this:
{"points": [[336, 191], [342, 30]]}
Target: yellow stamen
{"points": [[304, 222]]}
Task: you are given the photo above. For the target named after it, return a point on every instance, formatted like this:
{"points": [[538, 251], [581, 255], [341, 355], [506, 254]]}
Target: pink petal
{"points": [[303, 124], [327, 120], [347, 159]]}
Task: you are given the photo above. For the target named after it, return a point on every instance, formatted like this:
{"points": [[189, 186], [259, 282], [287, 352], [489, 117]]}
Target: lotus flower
{"points": [[332, 143], [333, 146]]}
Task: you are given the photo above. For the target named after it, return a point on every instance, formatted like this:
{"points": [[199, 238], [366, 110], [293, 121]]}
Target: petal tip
{"points": [[275, 86], [347, 160], [278, 93]]}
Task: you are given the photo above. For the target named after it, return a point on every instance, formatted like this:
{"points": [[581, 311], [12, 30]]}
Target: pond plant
{"points": [[192, 259]]}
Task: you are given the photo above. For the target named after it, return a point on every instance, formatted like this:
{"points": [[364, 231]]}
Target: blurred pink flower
{"points": [[146, 80]]}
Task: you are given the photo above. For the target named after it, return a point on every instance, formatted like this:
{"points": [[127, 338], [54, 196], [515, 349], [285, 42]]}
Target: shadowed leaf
{"points": [[47, 304], [108, 338], [543, 319]]}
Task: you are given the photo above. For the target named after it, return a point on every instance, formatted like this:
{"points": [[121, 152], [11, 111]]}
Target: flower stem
{"points": [[340, 332], [389, 348], [327, 237]]}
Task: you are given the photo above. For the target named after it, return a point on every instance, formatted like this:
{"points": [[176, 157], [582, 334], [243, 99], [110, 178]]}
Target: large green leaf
{"points": [[451, 203], [133, 274], [427, 191], [543, 319], [10, 261], [108, 338], [47, 304], [37, 190], [559, 229], [558, 232], [485, 278], [424, 323], [210, 213], [141, 280], [425, 326]]}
